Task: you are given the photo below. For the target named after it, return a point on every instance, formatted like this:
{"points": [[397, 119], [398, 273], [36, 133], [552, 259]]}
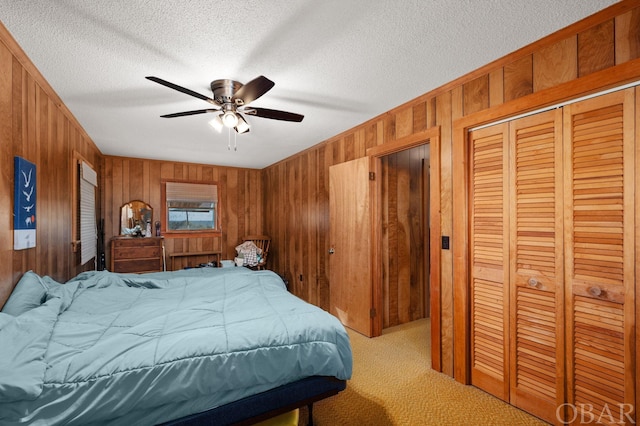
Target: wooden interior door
{"points": [[350, 281], [536, 273], [489, 250], [599, 253]]}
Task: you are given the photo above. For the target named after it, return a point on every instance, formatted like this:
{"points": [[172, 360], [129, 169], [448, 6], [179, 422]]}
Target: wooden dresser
{"points": [[130, 254]]}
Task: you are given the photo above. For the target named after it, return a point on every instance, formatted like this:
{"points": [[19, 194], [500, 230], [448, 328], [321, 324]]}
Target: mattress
{"points": [[109, 348]]}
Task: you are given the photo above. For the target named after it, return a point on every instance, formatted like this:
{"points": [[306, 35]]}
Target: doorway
{"points": [[374, 240], [431, 138], [404, 209]]}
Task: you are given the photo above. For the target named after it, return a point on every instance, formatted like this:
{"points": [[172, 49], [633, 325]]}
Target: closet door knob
{"points": [[332, 250], [595, 291], [533, 283]]}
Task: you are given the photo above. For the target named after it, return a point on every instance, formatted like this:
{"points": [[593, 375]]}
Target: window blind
{"points": [[180, 191], [88, 231]]}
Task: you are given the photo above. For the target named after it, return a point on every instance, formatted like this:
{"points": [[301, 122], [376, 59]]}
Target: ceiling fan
{"points": [[230, 98]]}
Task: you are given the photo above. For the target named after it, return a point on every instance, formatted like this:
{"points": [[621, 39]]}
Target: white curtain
{"points": [[88, 231]]}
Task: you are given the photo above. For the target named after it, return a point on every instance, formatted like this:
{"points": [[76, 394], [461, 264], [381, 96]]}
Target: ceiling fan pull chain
{"points": [[235, 141], [228, 139]]}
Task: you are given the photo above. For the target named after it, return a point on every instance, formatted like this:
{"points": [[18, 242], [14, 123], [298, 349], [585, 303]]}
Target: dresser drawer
{"points": [[138, 265], [122, 253]]}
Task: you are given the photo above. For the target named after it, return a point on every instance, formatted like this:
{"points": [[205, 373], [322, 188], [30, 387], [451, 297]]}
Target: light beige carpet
{"points": [[393, 384]]}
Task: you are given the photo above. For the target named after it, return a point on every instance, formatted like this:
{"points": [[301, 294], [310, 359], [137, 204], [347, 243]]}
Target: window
{"points": [[190, 215], [191, 207]]}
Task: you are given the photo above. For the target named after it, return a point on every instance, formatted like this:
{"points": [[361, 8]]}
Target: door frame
{"points": [[609, 78], [431, 137]]}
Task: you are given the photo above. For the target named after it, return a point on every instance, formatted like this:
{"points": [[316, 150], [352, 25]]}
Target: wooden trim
{"points": [[408, 142], [598, 81], [430, 136], [190, 234], [434, 236], [460, 246], [630, 279], [375, 191], [637, 245]]}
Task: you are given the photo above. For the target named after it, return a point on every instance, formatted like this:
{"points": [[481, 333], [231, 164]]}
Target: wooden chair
{"points": [[262, 242]]}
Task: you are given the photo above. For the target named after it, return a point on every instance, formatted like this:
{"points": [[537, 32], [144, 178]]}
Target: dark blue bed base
{"points": [[268, 404]]}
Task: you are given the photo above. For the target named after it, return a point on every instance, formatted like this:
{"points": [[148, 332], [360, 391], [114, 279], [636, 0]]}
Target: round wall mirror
{"points": [[134, 217]]}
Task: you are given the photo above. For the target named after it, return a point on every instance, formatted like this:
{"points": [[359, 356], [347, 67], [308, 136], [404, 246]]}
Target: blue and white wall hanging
{"points": [[24, 205]]}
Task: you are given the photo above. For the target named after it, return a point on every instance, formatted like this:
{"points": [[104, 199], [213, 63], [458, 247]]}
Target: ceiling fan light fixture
{"points": [[230, 119], [242, 125], [217, 123]]}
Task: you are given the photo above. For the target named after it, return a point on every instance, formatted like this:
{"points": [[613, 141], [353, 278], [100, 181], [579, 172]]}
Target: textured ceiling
{"points": [[337, 62]]}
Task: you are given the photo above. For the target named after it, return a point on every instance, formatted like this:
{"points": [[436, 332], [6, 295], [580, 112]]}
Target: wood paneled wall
{"points": [[297, 207], [35, 125], [240, 192]]}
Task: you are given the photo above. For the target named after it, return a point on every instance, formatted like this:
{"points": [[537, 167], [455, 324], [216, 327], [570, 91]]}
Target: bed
{"points": [[200, 346]]}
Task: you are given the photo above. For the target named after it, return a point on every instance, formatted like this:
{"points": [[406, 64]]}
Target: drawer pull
{"points": [[533, 283], [595, 291]]}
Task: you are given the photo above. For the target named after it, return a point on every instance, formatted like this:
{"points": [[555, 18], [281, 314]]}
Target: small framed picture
{"points": [[24, 207]]}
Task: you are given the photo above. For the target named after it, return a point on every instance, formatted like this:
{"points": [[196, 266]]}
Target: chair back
{"points": [[262, 242]]}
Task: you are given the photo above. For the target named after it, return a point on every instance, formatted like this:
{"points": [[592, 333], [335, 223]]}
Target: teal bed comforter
{"points": [[109, 348]]}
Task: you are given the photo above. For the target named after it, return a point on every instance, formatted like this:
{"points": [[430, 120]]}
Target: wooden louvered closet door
{"points": [[489, 260], [516, 253], [536, 272], [552, 277], [599, 254]]}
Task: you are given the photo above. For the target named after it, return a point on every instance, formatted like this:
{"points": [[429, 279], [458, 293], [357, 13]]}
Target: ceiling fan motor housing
{"points": [[223, 91]]}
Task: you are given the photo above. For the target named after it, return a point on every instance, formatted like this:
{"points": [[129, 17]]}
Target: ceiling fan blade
{"points": [[185, 113], [274, 114], [252, 90], [181, 89]]}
